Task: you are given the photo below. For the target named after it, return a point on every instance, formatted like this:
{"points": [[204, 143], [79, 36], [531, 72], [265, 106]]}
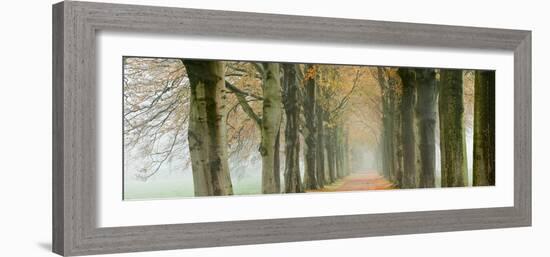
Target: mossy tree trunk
{"points": [[339, 150], [320, 150], [452, 138], [277, 159], [387, 124], [408, 79], [293, 183], [484, 129], [387, 146], [391, 134], [270, 125], [207, 131], [331, 153], [426, 116], [346, 147], [310, 129], [397, 145]]}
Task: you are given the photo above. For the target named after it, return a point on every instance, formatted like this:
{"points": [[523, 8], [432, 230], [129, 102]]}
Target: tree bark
{"points": [[310, 130], [331, 158], [293, 183], [484, 129], [339, 140], [426, 115], [452, 140], [387, 146], [320, 150], [398, 153], [336, 145], [408, 78], [390, 128], [387, 124], [207, 132], [397, 145], [277, 160], [270, 124], [347, 167]]}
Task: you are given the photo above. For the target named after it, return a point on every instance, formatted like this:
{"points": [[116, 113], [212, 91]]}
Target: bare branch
{"points": [[167, 153], [238, 91], [345, 99], [244, 104], [259, 67]]}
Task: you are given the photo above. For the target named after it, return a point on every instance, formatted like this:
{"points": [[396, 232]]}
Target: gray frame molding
{"points": [[74, 130]]}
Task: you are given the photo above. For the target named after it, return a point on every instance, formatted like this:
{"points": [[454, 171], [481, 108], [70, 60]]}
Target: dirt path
{"points": [[368, 180]]}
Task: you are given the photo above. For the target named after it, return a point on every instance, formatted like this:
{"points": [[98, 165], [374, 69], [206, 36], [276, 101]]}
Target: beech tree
{"points": [[484, 129], [426, 119], [397, 176], [293, 182], [310, 126], [335, 90], [207, 132], [270, 126], [321, 168], [391, 121], [452, 140], [408, 79], [268, 123]]}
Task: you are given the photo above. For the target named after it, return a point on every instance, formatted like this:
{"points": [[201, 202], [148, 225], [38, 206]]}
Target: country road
{"points": [[360, 181]]}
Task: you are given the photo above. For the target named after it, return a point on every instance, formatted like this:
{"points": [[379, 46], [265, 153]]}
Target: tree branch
{"points": [[145, 176], [259, 67], [238, 91], [244, 103], [345, 99]]}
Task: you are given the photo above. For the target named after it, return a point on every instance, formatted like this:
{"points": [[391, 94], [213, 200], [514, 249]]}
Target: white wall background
{"points": [[25, 128]]}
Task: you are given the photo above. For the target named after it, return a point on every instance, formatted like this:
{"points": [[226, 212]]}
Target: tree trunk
{"points": [[452, 140], [387, 146], [331, 158], [310, 130], [408, 78], [270, 124], [293, 183], [397, 145], [207, 132], [347, 167], [320, 165], [426, 115], [328, 178], [277, 160], [336, 145], [340, 151], [387, 124], [398, 153], [484, 129]]}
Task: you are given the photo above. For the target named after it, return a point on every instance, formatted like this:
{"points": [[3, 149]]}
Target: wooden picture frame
{"points": [[74, 130]]}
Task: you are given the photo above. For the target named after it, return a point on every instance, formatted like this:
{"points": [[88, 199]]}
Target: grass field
{"points": [[180, 188]]}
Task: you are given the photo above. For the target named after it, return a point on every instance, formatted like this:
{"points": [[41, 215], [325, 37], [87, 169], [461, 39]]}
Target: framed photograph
{"points": [[181, 128]]}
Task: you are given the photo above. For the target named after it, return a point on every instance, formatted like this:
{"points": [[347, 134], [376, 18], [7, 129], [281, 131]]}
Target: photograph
{"points": [[198, 127]]}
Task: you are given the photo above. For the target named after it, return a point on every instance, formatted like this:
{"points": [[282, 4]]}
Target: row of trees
{"points": [[305, 120], [302, 102], [414, 101]]}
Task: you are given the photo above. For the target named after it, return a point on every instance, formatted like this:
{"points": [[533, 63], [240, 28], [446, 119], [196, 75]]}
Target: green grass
{"points": [[157, 189], [180, 188], [247, 187]]}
